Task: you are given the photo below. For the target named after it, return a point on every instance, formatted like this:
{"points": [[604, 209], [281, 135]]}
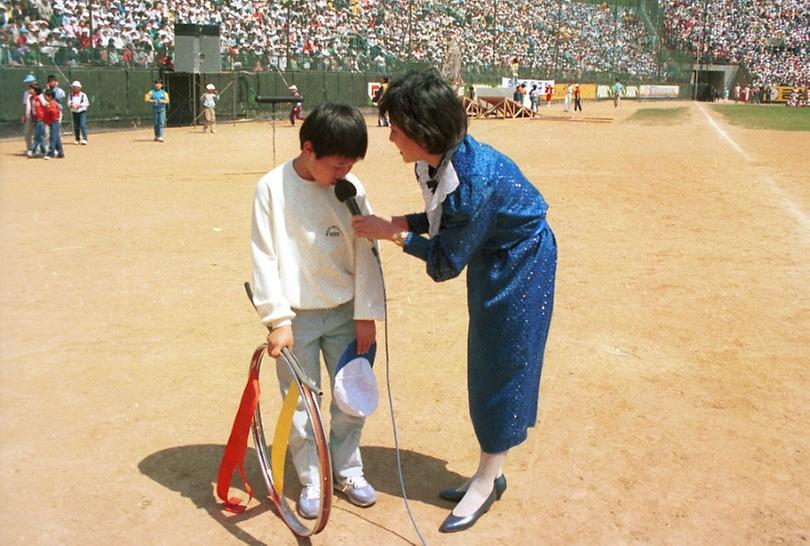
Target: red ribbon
{"points": [[236, 449]]}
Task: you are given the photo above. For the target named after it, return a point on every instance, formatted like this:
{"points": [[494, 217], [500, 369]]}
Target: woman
{"points": [[480, 213]]}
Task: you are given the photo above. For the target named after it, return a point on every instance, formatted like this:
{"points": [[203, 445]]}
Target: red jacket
{"points": [[37, 108], [52, 112]]}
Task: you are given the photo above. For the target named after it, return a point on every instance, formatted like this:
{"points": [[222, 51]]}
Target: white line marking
{"points": [[787, 202]]}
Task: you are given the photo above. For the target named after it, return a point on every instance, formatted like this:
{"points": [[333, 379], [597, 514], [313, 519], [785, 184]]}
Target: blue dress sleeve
{"points": [[467, 217], [417, 222]]}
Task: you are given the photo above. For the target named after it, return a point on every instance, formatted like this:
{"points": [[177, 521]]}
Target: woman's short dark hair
{"points": [[335, 129], [427, 110]]}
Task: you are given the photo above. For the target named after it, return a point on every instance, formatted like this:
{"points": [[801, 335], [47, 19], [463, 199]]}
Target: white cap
{"points": [[355, 388], [210, 87], [76, 83], [293, 88]]}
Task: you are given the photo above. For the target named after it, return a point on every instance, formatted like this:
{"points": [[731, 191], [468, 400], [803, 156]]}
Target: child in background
{"points": [[160, 100], [78, 103], [37, 112], [53, 119], [209, 104]]}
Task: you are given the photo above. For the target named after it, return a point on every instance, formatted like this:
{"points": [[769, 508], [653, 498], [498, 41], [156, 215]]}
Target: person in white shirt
{"points": [[78, 103], [209, 103], [317, 287], [28, 120]]}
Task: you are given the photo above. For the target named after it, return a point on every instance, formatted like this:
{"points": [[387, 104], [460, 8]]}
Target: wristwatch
{"points": [[399, 238]]}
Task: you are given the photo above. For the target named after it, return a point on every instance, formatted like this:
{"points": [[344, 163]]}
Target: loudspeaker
{"points": [[196, 48]]}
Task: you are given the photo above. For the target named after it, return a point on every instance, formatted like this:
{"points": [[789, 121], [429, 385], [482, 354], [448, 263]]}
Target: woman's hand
{"points": [[366, 333], [278, 338], [376, 227]]}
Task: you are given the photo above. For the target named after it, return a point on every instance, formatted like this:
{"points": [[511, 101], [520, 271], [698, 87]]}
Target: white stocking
{"points": [[481, 484]]}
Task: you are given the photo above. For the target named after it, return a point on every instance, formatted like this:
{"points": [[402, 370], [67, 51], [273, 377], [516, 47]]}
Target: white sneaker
{"points": [[47, 157], [357, 490], [29, 153], [160, 139], [76, 142], [83, 142], [309, 502]]}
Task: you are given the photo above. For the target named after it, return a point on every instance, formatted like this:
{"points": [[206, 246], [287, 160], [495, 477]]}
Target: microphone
{"points": [[345, 193]]}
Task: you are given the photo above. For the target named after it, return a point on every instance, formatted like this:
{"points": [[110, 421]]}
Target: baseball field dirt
{"points": [[675, 400]]}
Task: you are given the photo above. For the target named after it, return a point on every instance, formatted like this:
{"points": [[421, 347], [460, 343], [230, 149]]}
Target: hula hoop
{"points": [[272, 462]]}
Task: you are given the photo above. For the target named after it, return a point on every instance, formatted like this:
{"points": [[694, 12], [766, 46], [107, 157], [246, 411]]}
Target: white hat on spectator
{"points": [[76, 83], [293, 87], [210, 87]]}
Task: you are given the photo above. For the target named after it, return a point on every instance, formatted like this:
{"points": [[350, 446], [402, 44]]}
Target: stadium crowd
{"points": [[770, 37], [331, 34]]}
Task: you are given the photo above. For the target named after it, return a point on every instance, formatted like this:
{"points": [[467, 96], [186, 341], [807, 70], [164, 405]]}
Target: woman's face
{"points": [[409, 149]]}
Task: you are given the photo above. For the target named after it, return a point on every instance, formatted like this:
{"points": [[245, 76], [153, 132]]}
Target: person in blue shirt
{"points": [[482, 215], [159, 98], [618, 91]]}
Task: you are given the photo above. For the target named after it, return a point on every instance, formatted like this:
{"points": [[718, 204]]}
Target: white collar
{"points": [[447, 184]]}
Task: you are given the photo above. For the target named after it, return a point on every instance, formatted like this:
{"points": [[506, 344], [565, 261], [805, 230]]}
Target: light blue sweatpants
{"points": [[327, 331]]}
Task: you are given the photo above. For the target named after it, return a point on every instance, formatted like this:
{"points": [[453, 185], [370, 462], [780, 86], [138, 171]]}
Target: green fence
{"points": [[116, 94]]}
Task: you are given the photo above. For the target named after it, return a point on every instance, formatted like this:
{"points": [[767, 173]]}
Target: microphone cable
{"points": [[376, 254]]}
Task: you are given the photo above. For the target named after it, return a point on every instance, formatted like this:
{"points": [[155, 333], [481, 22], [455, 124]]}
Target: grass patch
{"points": [[776, 117], [660, 116]]}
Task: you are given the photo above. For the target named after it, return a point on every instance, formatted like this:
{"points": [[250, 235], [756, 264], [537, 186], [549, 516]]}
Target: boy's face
{"points": [[327, 170], [158, 85], [48, 98]]}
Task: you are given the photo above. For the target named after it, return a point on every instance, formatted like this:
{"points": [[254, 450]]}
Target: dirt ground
{"points": [[676, 389]]}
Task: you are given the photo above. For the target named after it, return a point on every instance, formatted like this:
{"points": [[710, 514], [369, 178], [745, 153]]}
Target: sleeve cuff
{"points": [[417, 246]]}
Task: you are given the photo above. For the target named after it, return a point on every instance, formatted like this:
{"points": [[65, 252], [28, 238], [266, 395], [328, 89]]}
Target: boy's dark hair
{"points": [[158, 81], [50, 93], [52, 78], [427, 110], [335, 129], [37, 89]]}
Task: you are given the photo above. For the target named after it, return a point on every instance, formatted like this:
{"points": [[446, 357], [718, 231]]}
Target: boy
{"points": [[209, 104], [79, 103], [159, 99], [317, 287], [36, 109], [53, 119]]}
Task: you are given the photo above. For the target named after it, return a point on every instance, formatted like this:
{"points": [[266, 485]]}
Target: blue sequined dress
{"points": [[493, 222]]}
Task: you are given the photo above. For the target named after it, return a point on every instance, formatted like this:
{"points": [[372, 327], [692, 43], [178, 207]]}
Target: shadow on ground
{"points": [[190, 471]]}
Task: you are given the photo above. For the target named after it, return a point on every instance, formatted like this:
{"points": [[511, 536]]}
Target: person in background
{"points": [[36, 110], [577, 98], [78, 104], [209, 104], [160, 100], [295, 112], [618, 91], [569, 95], [27, 120], [59, 93], [53, 119], [382, 119]]}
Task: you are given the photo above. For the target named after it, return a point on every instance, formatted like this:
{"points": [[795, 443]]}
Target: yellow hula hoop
{"points": [[278, 454]]}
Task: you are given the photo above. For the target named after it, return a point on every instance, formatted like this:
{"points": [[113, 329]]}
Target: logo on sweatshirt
{"points": [[333, 231]]}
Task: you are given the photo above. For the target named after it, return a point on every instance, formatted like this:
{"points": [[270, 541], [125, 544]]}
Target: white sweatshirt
{"points": [[305, 255]]}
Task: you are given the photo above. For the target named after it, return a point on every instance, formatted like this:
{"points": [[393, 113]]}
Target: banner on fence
{"points": [[542, 85], [659, 91]]}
